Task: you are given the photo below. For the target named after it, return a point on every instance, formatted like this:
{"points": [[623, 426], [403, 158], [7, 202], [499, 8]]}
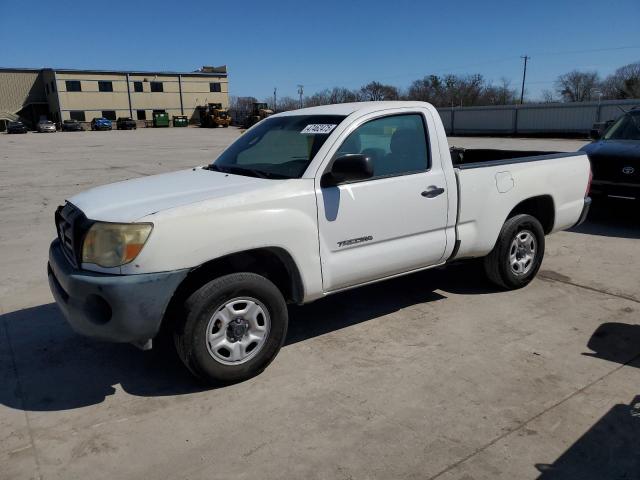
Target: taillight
{"points": [[586, 194]]}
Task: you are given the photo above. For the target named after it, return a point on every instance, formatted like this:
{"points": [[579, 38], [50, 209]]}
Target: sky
{"points": [[325, 43]]}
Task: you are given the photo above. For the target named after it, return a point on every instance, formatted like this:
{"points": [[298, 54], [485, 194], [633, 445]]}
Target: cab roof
{"points": [[349, 108]]}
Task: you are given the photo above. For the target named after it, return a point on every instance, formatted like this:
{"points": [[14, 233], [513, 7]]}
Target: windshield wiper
{"points": [[214, 168], [252, 172]]}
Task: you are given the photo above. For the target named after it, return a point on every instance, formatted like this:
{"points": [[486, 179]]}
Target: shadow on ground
{"points": [[616, 342], [44, 366], [611, 218], [608, 450]]}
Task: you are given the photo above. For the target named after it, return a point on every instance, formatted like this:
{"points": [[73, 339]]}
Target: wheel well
{"points": [[273, 263], [540, 207]]}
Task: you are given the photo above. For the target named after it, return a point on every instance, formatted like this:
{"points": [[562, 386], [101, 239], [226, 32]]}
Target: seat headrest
{"points": [[405, 141]]}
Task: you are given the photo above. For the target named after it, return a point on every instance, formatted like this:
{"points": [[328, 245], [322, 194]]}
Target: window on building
{"points": [[77, 115], [105, 86], [73, 86], [137, 87], [142, 114], [214, 87], [159, 111], [109, 114], [156, 87], [46, 87]]}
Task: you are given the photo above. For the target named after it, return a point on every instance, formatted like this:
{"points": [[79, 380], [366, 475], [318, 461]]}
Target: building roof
{"points": [[217, 73]]}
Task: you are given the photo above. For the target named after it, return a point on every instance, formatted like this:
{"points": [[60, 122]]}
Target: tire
{"points": [[517, 254], [213, 311]]}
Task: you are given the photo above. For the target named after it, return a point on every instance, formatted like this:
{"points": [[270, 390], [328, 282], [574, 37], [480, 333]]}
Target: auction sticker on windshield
{"points": [[318, 128]]}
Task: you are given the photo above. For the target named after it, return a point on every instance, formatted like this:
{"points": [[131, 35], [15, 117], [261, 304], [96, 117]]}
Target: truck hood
{"points": [[613, 148], [131, 200]]}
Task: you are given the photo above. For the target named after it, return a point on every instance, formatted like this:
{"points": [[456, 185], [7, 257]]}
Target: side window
{"points": [[397, 144], [105, 86], [109, 114], [73, 85], [77, 115]]}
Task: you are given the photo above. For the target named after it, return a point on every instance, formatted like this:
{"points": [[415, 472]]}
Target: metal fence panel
{"points": [[573, 118], [541, 118], [490, 120]]}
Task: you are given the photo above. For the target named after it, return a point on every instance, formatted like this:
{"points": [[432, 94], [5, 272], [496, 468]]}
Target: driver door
{"points": [[390, 223]]}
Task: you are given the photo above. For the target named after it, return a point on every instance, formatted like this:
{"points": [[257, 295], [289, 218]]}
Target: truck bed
{"points": [[474, 158], [492, 182]]}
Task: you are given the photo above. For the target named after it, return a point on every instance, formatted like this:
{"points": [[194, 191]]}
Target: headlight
{"points": [[114, 244]]}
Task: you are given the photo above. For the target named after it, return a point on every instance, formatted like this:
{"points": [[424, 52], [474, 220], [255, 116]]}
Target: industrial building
{"points": [[60, 94]]}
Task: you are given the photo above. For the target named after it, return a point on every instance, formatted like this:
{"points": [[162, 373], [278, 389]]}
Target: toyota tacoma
{"points": [[305, 204]]}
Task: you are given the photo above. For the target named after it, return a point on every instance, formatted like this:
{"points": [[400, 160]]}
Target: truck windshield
{"points": [[280, 147], [626, 128]]}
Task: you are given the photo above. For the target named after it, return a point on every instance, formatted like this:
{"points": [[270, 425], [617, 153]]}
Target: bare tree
{"points": [[623, 83], [547, 96], [576, 86], [376, 91], [288, 103], [342, 95]]}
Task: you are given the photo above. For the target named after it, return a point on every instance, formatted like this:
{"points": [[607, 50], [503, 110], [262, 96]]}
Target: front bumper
{"points": [[116, 308]]}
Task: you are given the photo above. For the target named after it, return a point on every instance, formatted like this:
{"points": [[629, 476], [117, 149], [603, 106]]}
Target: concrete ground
{"points": [[435, 375]]}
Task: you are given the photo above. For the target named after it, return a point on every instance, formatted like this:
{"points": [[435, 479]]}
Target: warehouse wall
{"points": [[195, 91], [18, 88]]}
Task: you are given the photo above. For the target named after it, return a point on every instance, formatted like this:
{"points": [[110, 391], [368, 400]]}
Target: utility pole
{"points": [[300, 92], [275, 96], [524, 76]]}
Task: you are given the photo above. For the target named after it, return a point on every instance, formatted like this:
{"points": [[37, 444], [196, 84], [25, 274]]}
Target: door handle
{"points": [[432, 192]]}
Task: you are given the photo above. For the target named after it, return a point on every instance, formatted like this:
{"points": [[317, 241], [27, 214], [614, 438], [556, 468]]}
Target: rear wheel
{"points": [[232, 328], [518, 253]]}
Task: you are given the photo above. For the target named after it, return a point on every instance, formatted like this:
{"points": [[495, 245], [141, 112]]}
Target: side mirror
{"points": [[594, 133], [348, 168]]}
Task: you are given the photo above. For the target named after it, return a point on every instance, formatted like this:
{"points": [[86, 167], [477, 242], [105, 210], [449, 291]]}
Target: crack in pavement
{"points": [[533, 418], [551, 278], [20, 392]]}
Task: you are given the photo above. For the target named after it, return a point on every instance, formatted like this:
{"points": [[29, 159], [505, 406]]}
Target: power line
{"points": [[524, 76]]}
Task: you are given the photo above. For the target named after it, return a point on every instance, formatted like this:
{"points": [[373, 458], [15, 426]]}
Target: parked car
{"points": [[126, 123], [16, 127], [45, 126], [615, 158], [305, 204], [72, 126], [101, 124]]}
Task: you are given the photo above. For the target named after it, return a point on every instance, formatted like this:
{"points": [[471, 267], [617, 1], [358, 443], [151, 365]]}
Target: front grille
{"points": [[72, 225]]}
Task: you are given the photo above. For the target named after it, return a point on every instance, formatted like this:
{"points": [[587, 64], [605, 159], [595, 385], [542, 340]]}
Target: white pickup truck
{"points": [[304, 204]]}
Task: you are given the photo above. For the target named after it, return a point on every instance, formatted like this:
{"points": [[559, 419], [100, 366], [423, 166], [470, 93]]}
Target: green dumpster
{"points": [[160, 119], [180, 121]]}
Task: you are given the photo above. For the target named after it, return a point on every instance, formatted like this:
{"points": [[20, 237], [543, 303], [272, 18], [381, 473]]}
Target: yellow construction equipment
{"points": [[213, 115]]}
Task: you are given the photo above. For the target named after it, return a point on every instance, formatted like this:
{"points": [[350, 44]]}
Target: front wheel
{"points": [[232, 328], [518, 253]]}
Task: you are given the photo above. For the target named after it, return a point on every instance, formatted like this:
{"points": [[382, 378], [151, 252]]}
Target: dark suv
{"points": [[615, 158], [72, 126], [126, 123], [16, 127]]}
